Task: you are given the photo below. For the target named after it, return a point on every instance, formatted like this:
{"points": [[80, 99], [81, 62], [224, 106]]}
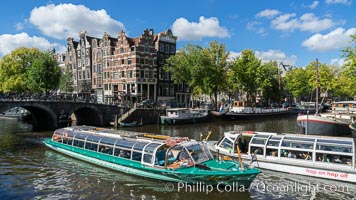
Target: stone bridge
{"points": [[49, 115]]}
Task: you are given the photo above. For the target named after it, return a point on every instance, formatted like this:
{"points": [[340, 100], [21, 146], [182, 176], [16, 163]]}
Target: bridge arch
{"points": [[43, 118], [88, 115]]}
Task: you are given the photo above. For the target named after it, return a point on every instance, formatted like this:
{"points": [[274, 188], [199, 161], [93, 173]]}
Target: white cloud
{"points": [[255, 26], [337, 61], [67, 20], [233, 55], [9, 43], [270, 55], [206, 27], [268, 13], [346, 2], [307, 22], [284, 22], [19, 26], [276, 55], [333, 40], [313, 5]]}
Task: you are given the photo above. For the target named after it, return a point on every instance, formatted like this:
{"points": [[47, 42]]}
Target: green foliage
{"points": [[203, 69], [349, 68], [244, 71], [326, 77], [13, 69], [66, 80], [297, 82], [216, 68], [267, 78], [28, 70]]}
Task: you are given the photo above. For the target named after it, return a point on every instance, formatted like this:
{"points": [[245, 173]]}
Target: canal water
{"points": [[29, 170]]}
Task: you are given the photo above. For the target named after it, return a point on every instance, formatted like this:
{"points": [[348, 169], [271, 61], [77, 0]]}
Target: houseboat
{"points": [[244, 110], [184, 116], [317, 156], [305, 108], [322, 125], [334, 123], [149, 156], [342, 110]]}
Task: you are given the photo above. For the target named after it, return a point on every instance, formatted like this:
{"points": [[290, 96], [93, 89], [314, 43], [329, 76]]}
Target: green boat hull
{"points": [[189, 175]]}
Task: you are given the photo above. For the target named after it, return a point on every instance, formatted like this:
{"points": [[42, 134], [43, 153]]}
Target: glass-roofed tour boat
{"points": [[317, 156], [153, 156]]}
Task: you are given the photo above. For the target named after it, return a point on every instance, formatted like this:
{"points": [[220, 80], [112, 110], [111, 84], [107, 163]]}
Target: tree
{"points": [[267, 79], [14, 67], [66, 80], [187, 66], [244, 71], [325, 76], [297, 83], [216, 69], [349, 68], [44, 73]]}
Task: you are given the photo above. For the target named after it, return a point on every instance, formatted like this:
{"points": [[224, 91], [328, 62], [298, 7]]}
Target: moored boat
{"points": [[184, 116], [130, 124], [317, 156], [149, 156], [305, 108], [322, 125], [242, 110]]}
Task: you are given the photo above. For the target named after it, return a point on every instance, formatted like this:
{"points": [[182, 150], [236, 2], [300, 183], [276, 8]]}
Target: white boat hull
{"points": [[347, 176]]}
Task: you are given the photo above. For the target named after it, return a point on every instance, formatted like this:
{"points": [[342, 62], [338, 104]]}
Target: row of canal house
{"points": [[125, 69]]}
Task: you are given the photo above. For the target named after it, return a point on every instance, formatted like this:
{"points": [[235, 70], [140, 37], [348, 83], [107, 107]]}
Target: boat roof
{"points": [[112, 136], [235, 134], [344, 102]]}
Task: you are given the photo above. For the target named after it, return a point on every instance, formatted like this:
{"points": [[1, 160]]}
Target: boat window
{"points": [[136, 156], [257, 150], [151, 147], [125, 143], [296, 154], [93, 138], [226, 144], [297, 144], [110, 141], [258, 140], [122, 153], [57, 137], [139, 146], [78, 143], [304, 139], [106, 149], [337, 142], [91, 146], [67, 140], [198, 153], [69, 133], [334, 158], [274, 141], [80, 136], [148, 158], [344, 149], [272, 152]]}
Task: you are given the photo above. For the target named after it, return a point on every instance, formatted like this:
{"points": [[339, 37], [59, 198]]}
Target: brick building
{"points": [[125, 69]]}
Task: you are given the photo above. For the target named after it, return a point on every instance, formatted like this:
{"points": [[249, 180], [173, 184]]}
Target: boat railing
{"points": [[340, 151]]}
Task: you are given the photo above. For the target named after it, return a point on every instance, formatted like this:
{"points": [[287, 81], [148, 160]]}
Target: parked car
{"points": [[148, 103]]}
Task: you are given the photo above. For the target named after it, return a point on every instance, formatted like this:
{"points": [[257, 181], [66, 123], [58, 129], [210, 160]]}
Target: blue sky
{"points": [[292, 32]]}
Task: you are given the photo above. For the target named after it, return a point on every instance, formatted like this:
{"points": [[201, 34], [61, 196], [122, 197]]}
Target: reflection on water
{"points": [[29, 170]]}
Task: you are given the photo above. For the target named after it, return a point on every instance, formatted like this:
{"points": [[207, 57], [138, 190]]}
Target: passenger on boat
{"points": [[291, 155], [184, 159], [325, 158]]}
